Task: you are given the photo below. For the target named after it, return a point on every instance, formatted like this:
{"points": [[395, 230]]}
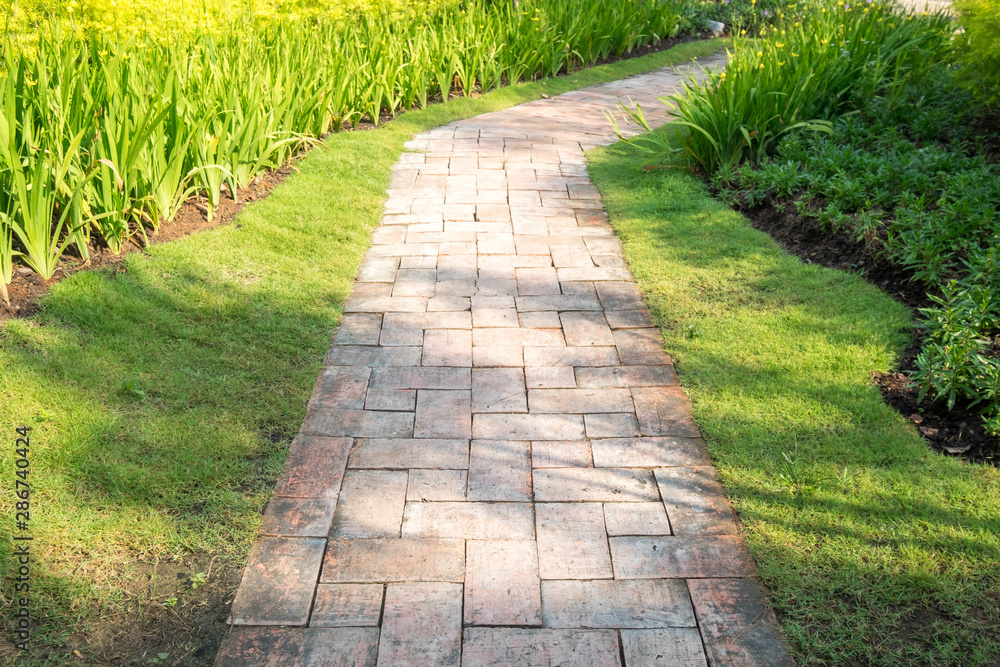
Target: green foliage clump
{"points": [[979, 47], [904, 177], [812, 67]]}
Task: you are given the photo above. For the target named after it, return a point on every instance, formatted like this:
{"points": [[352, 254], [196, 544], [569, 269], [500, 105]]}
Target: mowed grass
{"points": [[875, 549], [163, 395]]}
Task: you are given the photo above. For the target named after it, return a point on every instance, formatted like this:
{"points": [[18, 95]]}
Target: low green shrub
{"points": [[809, 69], [979, 46]]}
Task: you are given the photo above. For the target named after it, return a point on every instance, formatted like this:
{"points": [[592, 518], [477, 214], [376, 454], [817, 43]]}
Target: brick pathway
{"points": [[498, 466]]}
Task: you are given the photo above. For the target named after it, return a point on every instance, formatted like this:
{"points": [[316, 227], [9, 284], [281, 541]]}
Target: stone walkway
{"points": [[498, 466]]}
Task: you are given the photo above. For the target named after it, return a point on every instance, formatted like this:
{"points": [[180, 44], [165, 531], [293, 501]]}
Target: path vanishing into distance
{"points": [[498, 466]]}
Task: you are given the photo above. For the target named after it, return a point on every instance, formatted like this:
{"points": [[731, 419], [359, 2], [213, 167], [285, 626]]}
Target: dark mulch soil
{"points": [[957, 432], [170, 610]]}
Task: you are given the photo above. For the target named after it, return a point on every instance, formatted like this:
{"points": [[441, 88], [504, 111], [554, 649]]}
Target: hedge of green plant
{"points": [[102, 139]]}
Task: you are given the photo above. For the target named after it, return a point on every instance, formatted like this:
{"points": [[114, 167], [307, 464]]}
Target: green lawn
{"points": [[875, 549], [163, 395]]}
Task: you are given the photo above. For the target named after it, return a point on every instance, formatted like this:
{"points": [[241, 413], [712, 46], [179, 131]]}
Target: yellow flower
{"points": [[760, 53], [824, 42], [742, 32], [779, 44], [795, 55], [780, 63], [762, 66], [782, 33]]}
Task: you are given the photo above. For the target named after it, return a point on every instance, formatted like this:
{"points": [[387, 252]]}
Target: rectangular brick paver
{"points": [[646, 603], [572, 543], [649, 452], [443, 414], [315, 468], [422, 625], [492, 647], [561, 454], [737, 626], [299, 647], [393, 559], [695, 501], [404, 453], [298, 517], [527, 427], [680, 557], [437, 485], [278, 582], [636, 519], [347, 605], [595, 484], [469, 520], [502, 583], [371, 504], [567, 401], [666, 647], [500, 470]]}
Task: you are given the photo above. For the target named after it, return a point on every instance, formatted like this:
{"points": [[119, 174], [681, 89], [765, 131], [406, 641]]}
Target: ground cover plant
{"points": [[103, 138], [906, 178], [853, 115], [164, 392], [876, 550]]}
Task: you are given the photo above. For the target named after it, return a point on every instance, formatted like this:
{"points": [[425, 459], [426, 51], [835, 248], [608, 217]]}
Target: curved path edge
{"points": [[498, 466]]}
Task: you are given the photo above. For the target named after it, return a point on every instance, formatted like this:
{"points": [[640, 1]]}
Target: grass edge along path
{"points": [[163, 394], [875, 549]]}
